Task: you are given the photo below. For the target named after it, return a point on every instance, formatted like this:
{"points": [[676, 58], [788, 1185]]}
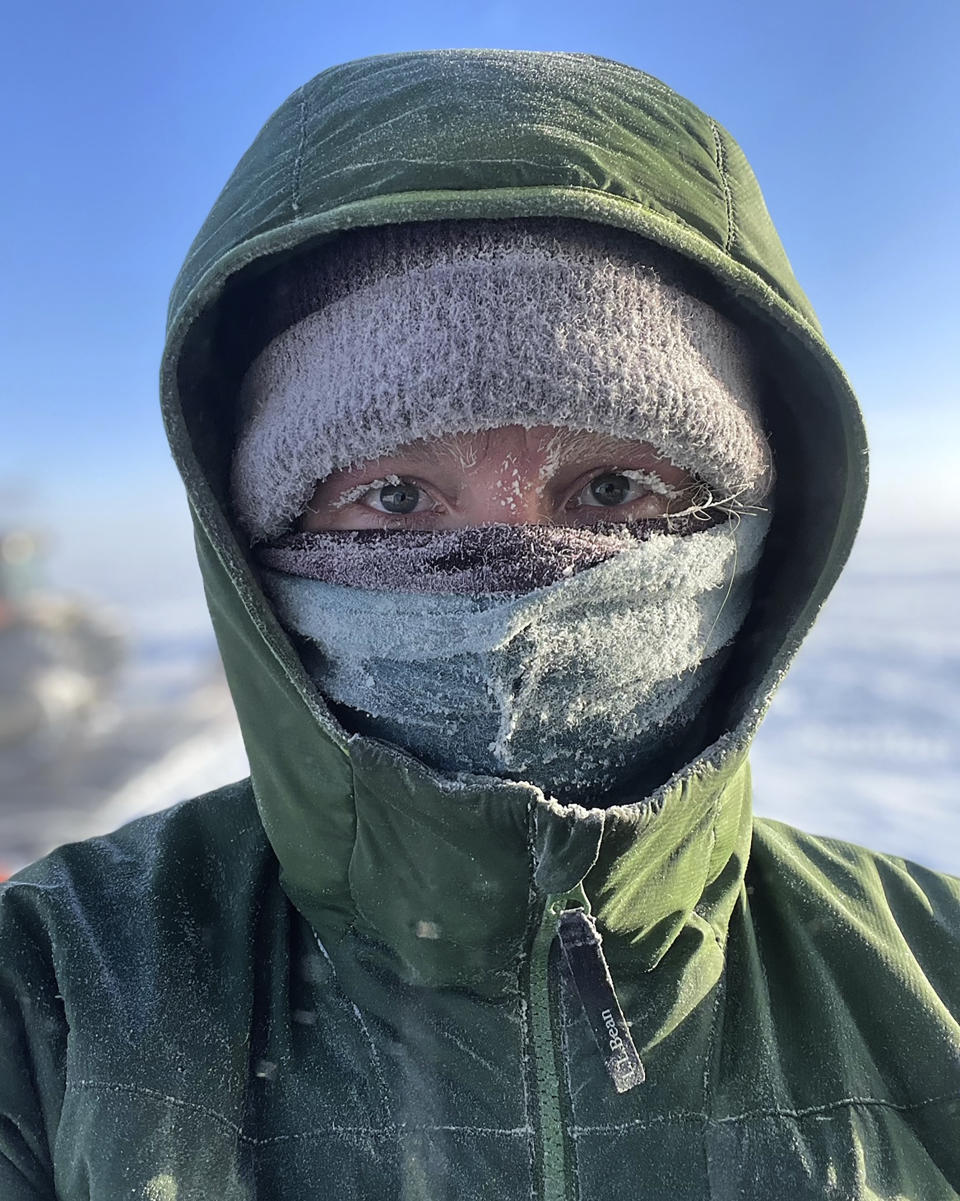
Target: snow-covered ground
{"points": [[862, 740]]}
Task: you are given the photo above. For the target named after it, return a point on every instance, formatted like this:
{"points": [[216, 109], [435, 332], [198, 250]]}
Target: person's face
{"points": [[512, 475]]}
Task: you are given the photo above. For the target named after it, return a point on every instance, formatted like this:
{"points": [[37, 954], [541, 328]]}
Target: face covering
{"points": [[574, 659]]}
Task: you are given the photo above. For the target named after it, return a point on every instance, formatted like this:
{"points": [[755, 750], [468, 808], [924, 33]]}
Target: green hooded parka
{"points": [[341, 978]]}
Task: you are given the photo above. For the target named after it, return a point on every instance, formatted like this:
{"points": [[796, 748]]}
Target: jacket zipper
{"points": [[583, 949], [567, 916], [552, 1166]]}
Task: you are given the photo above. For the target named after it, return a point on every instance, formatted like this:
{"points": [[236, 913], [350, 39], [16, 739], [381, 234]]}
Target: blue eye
{"points": [[399, 498], [610, 489]]}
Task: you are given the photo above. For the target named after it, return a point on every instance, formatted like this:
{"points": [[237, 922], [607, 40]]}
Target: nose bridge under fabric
{"points": [[578, 687]]}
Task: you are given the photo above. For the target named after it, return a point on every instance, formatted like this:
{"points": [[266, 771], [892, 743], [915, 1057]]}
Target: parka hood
{"points": [[442, 871]]}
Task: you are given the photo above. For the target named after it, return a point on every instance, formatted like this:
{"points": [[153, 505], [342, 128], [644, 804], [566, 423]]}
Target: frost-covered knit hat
{"points": [[395, 333]]}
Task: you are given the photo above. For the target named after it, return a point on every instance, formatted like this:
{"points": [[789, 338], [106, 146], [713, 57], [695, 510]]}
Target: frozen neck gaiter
{"points": [[574, 659]]}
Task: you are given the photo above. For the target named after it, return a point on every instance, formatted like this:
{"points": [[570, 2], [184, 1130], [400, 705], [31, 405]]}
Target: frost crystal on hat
{"points": [[396, 333]]}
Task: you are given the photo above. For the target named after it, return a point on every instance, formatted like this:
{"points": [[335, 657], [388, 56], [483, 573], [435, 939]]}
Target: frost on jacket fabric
{"points": [[341, 977]]}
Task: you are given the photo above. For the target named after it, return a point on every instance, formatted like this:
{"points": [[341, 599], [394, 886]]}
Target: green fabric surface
{"points": [[338, 978]]}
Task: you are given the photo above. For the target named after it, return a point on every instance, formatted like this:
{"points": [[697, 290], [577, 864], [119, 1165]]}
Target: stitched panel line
{"points": [[814, 1110], [719, 1002], [727, 194], [526, 1034], [77, 1086], [748, 1115], [153, 1094], [298, 162], [620, 201], [711, 1051], [358, 1016], [657, 1119], [390, 1132]]}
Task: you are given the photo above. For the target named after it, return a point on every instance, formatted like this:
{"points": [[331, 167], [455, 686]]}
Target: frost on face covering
{"points": [[571, 686]]}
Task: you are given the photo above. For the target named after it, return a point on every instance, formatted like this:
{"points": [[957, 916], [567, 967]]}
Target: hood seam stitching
{"points": [[725, 183], [298, 161]]}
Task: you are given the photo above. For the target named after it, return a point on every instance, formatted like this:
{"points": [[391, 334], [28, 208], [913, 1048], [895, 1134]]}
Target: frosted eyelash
{"points": [[652, 482]]}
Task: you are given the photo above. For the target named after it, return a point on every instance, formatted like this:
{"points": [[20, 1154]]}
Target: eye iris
{"points": [[610, 489], [399, 498]]}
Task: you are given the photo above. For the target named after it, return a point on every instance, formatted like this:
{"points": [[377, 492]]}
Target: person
{"points": [[519, 469]]}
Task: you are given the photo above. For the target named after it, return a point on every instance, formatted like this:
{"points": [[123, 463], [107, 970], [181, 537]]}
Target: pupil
{"points": [[399, 498], [610, 489]]}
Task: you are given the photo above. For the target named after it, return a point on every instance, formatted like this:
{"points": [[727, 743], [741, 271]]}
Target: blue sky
{"points": [[122, 121]]}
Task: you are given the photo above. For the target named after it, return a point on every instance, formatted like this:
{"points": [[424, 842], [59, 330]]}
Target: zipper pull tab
{"points": [[581, 941]]}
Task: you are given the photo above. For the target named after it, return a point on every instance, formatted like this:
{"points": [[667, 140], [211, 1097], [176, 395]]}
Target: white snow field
{"points": [[862, 740]]}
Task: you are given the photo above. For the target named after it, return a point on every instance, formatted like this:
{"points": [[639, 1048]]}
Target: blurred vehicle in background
{"points": [[59, 658], [97, 723]]}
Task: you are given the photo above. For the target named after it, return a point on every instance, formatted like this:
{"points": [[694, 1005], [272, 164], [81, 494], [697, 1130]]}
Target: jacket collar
{"points": [[448, 874], [449, 878]]}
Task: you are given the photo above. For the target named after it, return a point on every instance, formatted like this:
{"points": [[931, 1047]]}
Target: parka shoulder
{"points": [[113, 943], [883, 900], [843, 991], [197, 843], [161, 881]]}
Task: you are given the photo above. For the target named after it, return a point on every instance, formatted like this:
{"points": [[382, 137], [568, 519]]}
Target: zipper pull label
{"points": [[581, 943]]}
